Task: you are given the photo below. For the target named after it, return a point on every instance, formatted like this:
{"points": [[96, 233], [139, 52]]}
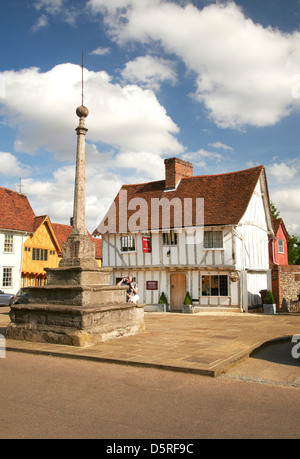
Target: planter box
{"points": [[162, 308], [187, 309], [269, 308]]}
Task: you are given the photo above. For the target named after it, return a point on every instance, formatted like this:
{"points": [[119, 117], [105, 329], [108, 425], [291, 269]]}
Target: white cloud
{"points": [[285, 191], [199, 158], [288, 203], [282, 172], [127, 117], [221, 145], [54, 8], [55, 195], [51, 6], [149, 70], [100, 51], [2, 87], [11, 166], [147, 163], [40, 23], [244, 72]]}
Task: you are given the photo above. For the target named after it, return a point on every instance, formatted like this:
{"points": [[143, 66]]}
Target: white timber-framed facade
{"points": [[228, 263]]}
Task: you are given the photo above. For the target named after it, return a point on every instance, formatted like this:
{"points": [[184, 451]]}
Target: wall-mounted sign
{"points": [[146, 244], [151, 285]]}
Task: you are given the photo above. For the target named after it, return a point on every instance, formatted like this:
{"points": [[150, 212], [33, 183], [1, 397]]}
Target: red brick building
{"points": [[285, 277], [278, 247]]}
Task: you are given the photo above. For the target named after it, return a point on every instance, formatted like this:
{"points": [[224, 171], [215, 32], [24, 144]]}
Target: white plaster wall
{"points": [[11, 260]]}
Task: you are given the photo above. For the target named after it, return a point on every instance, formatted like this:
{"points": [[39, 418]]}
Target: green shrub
{"points": [[163, 299], [188, 299], [269, 298]]}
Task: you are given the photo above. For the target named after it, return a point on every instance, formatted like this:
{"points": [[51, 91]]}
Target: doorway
{"points": [[178, 291]]}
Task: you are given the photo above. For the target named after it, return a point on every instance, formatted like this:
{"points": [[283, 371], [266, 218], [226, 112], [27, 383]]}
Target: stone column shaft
{"points": [[79, 223]]}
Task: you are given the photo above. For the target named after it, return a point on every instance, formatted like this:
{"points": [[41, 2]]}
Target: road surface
{"points": [[47, 397]]}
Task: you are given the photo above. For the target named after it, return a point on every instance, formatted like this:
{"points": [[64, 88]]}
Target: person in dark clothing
{"points": [[132, 288]]}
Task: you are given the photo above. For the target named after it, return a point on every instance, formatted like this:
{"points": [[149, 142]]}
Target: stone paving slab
{"points": [[204, 343]]}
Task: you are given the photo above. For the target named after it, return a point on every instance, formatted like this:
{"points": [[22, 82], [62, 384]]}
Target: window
{"points": [[39, 254], [170, 238], [214, 285], [280, 246], [127, 243], [7, 277], [213, 239], [27, 249], [8, 243]]}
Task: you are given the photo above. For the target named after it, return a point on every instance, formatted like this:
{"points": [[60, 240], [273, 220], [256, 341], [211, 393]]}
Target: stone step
{"points": [[217, 309], [77, 295], [76, 276]]}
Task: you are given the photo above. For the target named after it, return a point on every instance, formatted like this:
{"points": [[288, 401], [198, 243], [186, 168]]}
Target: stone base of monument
{"points": [[78, 308], [74, 325]]}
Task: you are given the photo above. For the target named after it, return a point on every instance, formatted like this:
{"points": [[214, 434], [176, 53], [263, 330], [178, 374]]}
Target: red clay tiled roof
{"points": [[277, 222], [37, 221], [62, 232], [16, 212], [226, 197]]}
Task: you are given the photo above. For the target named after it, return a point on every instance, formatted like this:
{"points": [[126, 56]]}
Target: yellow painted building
{"points": [[43, 249]]}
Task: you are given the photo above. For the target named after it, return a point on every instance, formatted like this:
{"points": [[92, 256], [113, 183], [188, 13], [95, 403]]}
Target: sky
{"points": [[215, 83]]}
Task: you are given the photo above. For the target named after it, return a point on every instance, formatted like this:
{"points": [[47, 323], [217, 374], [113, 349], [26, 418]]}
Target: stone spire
{"points": [[79, 223], [79, 249]]}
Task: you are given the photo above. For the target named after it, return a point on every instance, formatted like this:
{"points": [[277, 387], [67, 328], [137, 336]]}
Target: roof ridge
{"points": [[13, 191], [62, 224], [143, 183], [261, 167]]}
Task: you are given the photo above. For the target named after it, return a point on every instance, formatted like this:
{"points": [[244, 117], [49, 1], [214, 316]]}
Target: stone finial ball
{"points": [[82, 112]]}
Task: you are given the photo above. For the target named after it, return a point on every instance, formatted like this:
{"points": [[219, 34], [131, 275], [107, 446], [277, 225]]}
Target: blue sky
{"points": [[216, 83]]}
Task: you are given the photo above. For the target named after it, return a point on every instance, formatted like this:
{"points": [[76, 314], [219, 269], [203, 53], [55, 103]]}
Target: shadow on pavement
{"points": [[280, 353]]}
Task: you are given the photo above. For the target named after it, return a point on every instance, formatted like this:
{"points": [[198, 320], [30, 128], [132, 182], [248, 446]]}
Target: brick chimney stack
{"points": [[175, 170]]}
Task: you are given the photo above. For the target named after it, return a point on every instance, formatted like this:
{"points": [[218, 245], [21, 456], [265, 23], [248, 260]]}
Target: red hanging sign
{"points": [[146, 244]]}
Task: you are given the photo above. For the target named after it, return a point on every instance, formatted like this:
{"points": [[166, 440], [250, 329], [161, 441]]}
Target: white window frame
{"points": [[281, 246], [7, 276], [214, 244], [8, 243], [128, 243]]}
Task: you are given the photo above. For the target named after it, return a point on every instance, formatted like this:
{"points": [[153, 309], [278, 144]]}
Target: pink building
{"points": [[278, 247]]}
